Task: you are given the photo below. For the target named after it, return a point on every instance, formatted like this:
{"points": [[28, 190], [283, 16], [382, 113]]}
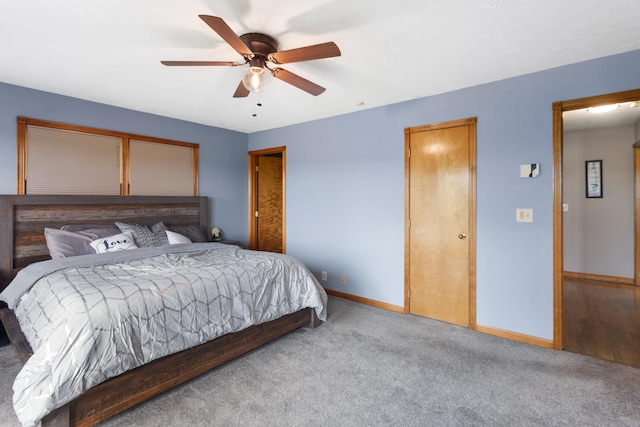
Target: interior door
{"points": [[267, 213], [441, 216], [269, 202]]}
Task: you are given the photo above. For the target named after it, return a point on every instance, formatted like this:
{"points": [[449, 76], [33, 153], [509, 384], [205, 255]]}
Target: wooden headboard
{"points": [[24, 217]]}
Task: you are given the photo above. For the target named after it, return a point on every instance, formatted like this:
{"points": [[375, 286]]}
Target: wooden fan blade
{"points": [[317, 51], [227, 34], [241, 91], [201, 63], [297, 81]]}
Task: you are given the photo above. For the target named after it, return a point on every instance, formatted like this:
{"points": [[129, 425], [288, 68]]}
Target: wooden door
{"points": [[441, 216], [270, 203], [267, 213]]}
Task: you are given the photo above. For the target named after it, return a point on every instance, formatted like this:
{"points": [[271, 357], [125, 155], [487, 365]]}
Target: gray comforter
{"points": [[93, 317]]}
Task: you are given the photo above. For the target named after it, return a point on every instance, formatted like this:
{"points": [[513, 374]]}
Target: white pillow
{"points": [[117, 242], [177, 238]]}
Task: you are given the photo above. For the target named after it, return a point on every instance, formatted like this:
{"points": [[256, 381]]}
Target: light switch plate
{"points": [[529, 170], [524, 215]]}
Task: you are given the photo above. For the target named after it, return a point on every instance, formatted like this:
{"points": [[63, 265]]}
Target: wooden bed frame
{"points": [[22, 222]]}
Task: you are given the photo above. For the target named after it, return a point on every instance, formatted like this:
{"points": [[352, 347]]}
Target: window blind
{"points": [[69, 162], [161, 169]]}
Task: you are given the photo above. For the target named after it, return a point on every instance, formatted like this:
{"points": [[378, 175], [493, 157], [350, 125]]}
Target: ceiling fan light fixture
{"points": [[255, 80], [257, 49], [256, 76]]}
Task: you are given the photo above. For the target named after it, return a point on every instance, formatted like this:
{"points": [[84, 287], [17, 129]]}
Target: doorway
{"points": [[440, 238], [593, 294], [267, 172]]}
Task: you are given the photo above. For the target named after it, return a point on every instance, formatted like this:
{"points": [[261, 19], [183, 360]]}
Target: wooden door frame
{"points": [[558, 246], [636, 213], [472, 123], [253, 194]]}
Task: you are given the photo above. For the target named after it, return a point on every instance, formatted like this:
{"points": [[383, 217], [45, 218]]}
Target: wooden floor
{"points": [[602, 320]]}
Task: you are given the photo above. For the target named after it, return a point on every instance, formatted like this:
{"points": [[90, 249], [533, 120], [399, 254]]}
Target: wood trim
{"points": [[515, 336], [443, 125], [366, 301], [598, 277], [21, 130], [472, 238], [253, 194], [558, 261], [125, 175], [407, 219], [594, 101], [636, 258], [125, 178], [252, 179], [558, 247], [284, 200], [196, 170], [87, 129]]}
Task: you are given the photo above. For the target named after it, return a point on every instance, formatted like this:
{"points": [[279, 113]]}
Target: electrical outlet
{"points": [[324, 276], [343, 280]]}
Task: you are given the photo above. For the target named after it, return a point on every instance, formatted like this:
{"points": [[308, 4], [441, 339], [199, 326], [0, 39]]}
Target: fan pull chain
{"points": [[258, 104]]}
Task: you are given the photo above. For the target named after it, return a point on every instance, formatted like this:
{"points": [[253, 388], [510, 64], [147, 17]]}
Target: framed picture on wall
{"points": [[593, 175]]}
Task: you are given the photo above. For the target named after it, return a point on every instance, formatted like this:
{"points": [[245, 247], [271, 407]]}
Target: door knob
{"points": [[462, 236]]}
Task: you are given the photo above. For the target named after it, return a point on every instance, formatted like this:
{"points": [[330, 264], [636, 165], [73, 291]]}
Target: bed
{"points": [[22, 247]]}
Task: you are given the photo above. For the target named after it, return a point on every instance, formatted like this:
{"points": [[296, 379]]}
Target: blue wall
{"points": [[345, 180], [223, 153], [345, 189]]}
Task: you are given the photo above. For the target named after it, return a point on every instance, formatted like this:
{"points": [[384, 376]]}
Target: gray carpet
{"points": [[371, 367]]}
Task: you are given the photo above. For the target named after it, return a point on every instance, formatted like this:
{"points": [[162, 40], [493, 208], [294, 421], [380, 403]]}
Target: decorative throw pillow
{"points": [[142, 235], [176, 238], [62, 244], [159, 230], [119, 242]]}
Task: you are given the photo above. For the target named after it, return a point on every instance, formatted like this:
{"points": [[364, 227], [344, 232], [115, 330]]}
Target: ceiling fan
{"points": [[258, 50]]}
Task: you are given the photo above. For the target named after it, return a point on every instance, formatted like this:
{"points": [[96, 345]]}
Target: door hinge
{"points": [[409, 293], [257, 167], [256, 214], [409, 152], [409, 222]]}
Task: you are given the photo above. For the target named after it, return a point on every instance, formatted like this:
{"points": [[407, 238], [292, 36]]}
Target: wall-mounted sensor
{"points": [[529, 170]]}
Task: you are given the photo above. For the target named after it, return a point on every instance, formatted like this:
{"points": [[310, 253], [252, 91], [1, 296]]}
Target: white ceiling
{"points": [[627, 113], [109, 51]]}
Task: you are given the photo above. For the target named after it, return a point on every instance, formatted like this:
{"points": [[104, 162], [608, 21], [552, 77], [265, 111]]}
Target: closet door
{"points": [[441, 232]]}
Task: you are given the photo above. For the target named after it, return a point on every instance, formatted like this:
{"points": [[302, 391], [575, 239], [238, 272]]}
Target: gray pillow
{"points": [[63, 244], [143, 235], [95, 231]]}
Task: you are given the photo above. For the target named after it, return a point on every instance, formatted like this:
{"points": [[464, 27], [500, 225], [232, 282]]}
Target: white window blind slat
{"points": [[68, 162], [161, 169]]}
